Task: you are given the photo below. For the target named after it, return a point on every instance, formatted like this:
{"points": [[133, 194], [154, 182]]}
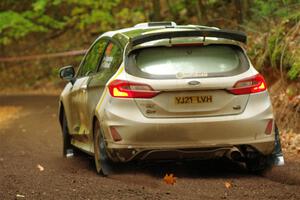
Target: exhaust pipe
{"points": [[234, 154]]}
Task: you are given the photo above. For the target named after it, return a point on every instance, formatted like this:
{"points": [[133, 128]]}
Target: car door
{"points": [[109, 64], [78, 98]]}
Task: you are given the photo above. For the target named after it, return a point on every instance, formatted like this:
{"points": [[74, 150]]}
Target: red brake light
{"points": [[250, 85], [126, 89]]}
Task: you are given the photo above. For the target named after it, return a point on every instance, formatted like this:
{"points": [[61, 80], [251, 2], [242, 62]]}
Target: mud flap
{"points": [[277, 156], [106, 164], [69, 153]]}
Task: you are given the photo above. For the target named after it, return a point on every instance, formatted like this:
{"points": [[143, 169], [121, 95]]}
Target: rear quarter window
{"points": [[187, 61]]}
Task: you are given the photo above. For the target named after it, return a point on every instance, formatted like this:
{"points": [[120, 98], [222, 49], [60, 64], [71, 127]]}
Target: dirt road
{"points": [[32, 167]]}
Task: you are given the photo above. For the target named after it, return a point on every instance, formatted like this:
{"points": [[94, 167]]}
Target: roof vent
{"points": [[153, 24]]}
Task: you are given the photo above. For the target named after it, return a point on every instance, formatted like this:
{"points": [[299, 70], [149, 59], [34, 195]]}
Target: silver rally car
{"points": [[161, 91]]}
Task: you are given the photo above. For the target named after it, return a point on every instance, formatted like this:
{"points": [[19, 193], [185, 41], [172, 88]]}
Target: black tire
{"points": [[102, 162], [259, 164], [67, 146]]}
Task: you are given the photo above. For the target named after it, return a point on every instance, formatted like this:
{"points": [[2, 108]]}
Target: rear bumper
{"points": [[140, 134], [150, 153]]}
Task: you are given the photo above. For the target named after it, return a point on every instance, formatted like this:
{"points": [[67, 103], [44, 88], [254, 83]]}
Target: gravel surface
{"points": [[32, 167]]}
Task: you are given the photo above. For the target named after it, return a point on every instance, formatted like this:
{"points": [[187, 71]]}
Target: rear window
{"points": [[187, 61]]}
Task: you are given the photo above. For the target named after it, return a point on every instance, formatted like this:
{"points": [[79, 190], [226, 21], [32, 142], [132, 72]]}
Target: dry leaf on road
{"points": [[40, 167], [170, 179], [20, 196], [227, 184]]}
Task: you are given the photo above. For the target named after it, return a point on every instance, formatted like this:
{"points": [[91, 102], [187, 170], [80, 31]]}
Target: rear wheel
{"points": [[102, 162], [259, 164], [67, 146]]}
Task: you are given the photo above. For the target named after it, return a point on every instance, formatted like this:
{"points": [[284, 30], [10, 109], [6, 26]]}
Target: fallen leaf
{"points": [[20, 196], [170, 179], [227, 184], [40, 167]]}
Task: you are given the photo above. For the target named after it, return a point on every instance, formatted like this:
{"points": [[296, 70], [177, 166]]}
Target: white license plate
{"points": [[193, 99]]}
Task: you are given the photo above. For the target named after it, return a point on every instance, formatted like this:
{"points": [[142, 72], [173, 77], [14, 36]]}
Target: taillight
{"points": [[250, 85], [126, 89]]}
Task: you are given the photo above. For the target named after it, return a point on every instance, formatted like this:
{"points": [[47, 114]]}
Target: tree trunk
{"points": [[156, 10], [201, 12], [171, 10], [239, 8], [246, 9], [200, 5]]}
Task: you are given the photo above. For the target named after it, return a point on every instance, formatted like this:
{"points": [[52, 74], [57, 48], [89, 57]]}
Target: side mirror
{"points": [[67, 73]]}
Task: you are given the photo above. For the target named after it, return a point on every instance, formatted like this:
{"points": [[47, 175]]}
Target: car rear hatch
{"points": [[190, 80]]}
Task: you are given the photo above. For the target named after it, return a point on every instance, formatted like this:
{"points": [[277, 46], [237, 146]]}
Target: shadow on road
{"points": [[190, 169], [204, 169]]}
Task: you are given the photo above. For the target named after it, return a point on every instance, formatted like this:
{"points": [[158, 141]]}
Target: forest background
{"points": [[46, 27]]}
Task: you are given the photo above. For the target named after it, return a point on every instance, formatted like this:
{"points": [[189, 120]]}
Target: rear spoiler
{"points": [[226, 34]]}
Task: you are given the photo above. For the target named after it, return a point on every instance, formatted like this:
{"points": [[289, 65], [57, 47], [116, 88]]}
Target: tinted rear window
{"points": [[187, 61]]}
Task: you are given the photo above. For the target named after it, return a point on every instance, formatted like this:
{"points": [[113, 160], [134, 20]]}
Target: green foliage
{"points": [[263, 8], [279, 19], [40, 5], [14, 26], [90, 12], [294, 72], [83, 14], [177, 6], [271, 21], [127, 16], [272, 8]]}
